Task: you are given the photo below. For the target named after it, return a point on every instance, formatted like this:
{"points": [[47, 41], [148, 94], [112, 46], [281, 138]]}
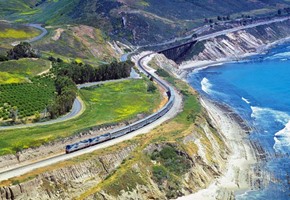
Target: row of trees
{"points": [[67, 75], [82, 73], [66, 91], [219, 18]]}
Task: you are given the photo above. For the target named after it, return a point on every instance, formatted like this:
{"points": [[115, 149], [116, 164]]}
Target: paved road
{"points": [[77, 109], [39, 37], [212, 35]]}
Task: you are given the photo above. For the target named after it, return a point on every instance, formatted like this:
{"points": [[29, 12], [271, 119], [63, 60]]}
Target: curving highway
{"points": [[39, 37]]}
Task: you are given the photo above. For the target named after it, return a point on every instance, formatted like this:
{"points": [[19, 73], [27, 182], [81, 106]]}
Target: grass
{"points": [[25, 67], [12, 31], [8, 78], [110, 103], [17, 34]]}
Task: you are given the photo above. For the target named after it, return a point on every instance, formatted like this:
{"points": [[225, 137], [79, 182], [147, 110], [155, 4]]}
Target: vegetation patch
{"points": [[127, 181], [25, 66], [8, 78], [175, 161], [13, 32], [162, 72], [19, 100], [102, 104]]}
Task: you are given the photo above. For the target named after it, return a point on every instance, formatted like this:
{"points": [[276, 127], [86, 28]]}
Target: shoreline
{"points": [[236, 178]]}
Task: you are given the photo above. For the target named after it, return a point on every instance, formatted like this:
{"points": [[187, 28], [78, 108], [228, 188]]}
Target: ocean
{"points": [[258, 89]]}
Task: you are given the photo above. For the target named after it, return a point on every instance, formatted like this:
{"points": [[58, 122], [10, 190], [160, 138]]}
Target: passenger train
{"points": [[132, 127]]}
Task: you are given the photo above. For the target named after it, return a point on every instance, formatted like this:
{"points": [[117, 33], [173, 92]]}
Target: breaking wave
{"points": [[206, 86]]}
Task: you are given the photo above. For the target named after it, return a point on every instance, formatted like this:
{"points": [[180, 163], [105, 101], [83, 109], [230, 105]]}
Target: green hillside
{"points": [[138, 21]]}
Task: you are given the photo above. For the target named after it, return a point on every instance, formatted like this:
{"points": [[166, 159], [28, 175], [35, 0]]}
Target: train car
{"points": [[100, 139], [77, 146], [139, 124], [120, 132]]}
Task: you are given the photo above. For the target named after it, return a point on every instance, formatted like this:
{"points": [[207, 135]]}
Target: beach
{"points": [[238, 174]]}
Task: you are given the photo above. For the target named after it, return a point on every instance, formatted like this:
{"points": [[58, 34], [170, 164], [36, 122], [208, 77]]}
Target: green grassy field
{"points": [[109, 103], [13, 31], [8, 78], [25, 67]]}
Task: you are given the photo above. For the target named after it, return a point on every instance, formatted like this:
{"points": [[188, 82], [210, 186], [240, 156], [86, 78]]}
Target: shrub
{"points": [[151, 87]]}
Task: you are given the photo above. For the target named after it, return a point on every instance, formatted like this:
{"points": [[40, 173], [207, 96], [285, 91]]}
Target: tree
{"points": [[52, 59], [279, 12], [219, 18], [37, 116], [3, 58], [22, 50], [151, 87], [14, 113]]}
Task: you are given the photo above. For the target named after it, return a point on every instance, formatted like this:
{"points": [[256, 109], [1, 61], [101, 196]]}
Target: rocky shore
{"points": [[238, 174]]}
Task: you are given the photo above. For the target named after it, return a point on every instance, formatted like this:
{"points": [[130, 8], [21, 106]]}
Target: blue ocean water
{"points": [[258, 89]]}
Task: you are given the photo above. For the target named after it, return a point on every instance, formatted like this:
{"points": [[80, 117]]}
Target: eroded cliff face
{"points": [[172, 169], [236, 45], [67, 180], [201, 151]]}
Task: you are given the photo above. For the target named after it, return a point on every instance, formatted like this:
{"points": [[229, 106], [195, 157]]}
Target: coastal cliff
{"points": [[236, 45], [201, 151]]}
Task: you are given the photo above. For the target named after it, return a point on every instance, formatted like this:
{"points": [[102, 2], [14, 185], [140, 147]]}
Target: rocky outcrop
{"points": [[67, 180], [232, 45], [236, 45]]}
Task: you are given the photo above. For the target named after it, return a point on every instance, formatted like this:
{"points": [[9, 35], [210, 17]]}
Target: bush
{"points": [[151, 87], [3, 58], [162, 72], [160, 174], [22, 50], [172, 160]]}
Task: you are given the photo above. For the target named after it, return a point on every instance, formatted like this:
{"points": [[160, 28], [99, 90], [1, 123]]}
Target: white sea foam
{"points": [[206, 86], [279, 116], [279, 55], [282, 138], [246, 100]]}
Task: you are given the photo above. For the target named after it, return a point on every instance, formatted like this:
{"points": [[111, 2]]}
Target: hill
{"points": [[139, 21]]}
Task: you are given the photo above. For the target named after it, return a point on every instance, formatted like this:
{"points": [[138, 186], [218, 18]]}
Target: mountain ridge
{"points": [[138, 22]]}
